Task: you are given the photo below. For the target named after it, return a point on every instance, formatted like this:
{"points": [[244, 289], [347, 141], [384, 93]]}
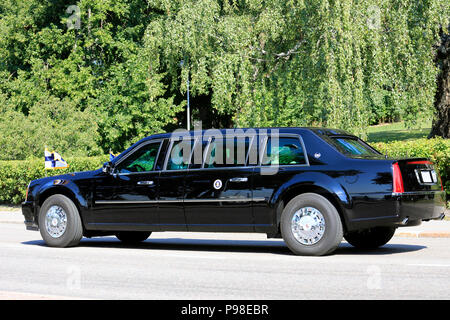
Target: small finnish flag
{"points": [[53, 160]]}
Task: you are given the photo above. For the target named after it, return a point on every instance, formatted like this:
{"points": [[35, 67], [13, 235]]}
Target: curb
{"points": [[423, 234], [13, 222]]}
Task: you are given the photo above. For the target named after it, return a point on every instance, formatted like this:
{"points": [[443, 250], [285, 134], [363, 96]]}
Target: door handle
{"points": [[145, 183], [238, 179]]}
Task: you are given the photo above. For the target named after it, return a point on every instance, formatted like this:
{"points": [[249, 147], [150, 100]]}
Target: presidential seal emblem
{"points": [[217, 184]]}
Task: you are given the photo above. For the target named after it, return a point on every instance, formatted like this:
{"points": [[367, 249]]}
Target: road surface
{"points": [[218, 266]]}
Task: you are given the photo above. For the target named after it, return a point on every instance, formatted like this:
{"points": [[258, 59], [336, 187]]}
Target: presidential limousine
{"points": [[310, 186]]}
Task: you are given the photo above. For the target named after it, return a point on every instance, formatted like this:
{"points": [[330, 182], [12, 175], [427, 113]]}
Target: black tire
{"points": [[333, 233], [132, 237], [74, 228], [370, 238]]}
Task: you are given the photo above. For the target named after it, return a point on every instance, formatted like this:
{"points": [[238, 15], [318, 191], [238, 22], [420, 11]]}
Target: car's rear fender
{"points": [[315, 182]]}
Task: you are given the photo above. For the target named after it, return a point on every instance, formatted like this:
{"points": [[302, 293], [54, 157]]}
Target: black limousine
{"points": [[310, 186]]}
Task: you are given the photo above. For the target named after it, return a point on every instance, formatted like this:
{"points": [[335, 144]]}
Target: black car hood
{"points": [[69, 176]]}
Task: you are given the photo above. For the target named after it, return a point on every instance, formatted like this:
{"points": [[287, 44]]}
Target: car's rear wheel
{"points": [[370, 238], [310, 225], [132, 237], [59, 222]]}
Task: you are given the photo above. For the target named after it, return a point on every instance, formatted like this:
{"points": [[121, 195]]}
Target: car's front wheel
{"points": [[132, 237], [310, 225], [59, 222], [370, 238]]}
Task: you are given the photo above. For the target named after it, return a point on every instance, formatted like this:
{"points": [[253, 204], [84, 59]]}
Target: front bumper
{"points": [[29, 213]]}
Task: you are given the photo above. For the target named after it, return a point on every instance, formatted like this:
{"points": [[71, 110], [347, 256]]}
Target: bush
{"points": [[436, 149], [16, 174], [50, 122]]}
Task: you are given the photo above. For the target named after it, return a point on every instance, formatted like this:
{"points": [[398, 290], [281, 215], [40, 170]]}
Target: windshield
{"points": [[353, 147]]}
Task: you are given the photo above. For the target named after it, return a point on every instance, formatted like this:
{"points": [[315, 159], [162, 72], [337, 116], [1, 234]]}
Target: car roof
{"points": [[317, 130]]}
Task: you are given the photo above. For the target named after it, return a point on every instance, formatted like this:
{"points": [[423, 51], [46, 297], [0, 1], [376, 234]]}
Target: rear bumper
{"points": [[29, 213], [398, 209], [426, 205]]}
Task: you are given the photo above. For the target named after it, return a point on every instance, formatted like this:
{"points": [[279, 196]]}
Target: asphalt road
{"points": [[218, 266]]}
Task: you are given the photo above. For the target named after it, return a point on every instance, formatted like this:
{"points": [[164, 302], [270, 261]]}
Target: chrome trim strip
{"points": [[124, 202], [260, 199], [242, 167], [417, 193], [219, 200], [182, 224]]}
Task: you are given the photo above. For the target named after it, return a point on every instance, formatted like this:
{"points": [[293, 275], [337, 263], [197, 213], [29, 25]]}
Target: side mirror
{"points": [[107, 167]]}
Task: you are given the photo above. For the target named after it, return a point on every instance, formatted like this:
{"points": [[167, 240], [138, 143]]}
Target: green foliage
{"points": [[15, 175], [50, 122], [117, 78], [342, 64], [436, 149], [97, 79]]}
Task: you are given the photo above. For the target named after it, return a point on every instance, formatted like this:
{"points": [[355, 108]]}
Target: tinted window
{"points": [[141, 160], [284, 151], [197, 154], [353, 147], [230, 152], [179, 156]]}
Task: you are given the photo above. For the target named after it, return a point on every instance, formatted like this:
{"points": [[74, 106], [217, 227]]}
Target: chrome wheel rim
{"points": [[55, 221], [308, 225]]}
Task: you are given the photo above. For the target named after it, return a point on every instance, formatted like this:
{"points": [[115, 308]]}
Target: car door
{"points": [[131, 202], [281, 157], [171, 183], [218, 196]]}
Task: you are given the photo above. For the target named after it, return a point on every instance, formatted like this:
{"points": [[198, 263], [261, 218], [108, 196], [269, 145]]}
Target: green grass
{"points": [[398, 131]]}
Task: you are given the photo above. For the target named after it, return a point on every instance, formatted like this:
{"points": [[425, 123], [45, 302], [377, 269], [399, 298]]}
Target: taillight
{"points": [[420, 162], [397, 179], [442, 185], [26, 194]]}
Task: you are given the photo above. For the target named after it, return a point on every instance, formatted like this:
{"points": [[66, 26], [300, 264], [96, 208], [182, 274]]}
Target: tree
{"points": [[340, 63], [335, 63], [97, 68], [50, 122], [441, 122]]}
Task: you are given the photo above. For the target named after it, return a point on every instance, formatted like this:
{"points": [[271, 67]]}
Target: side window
{"points": [[180, 154], [141, 160], [285, 151], [230, 152], [197, 154]]}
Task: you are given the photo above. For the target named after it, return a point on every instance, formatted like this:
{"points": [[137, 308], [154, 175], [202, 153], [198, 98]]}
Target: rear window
{"points": [[353, 147]]}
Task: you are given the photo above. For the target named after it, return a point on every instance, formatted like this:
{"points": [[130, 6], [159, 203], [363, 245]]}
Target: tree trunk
{"points": [[441, 122]]}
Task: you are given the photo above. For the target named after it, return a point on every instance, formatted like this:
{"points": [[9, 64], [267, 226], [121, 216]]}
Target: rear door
{"points": [[282, 157], [218, 195]]}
